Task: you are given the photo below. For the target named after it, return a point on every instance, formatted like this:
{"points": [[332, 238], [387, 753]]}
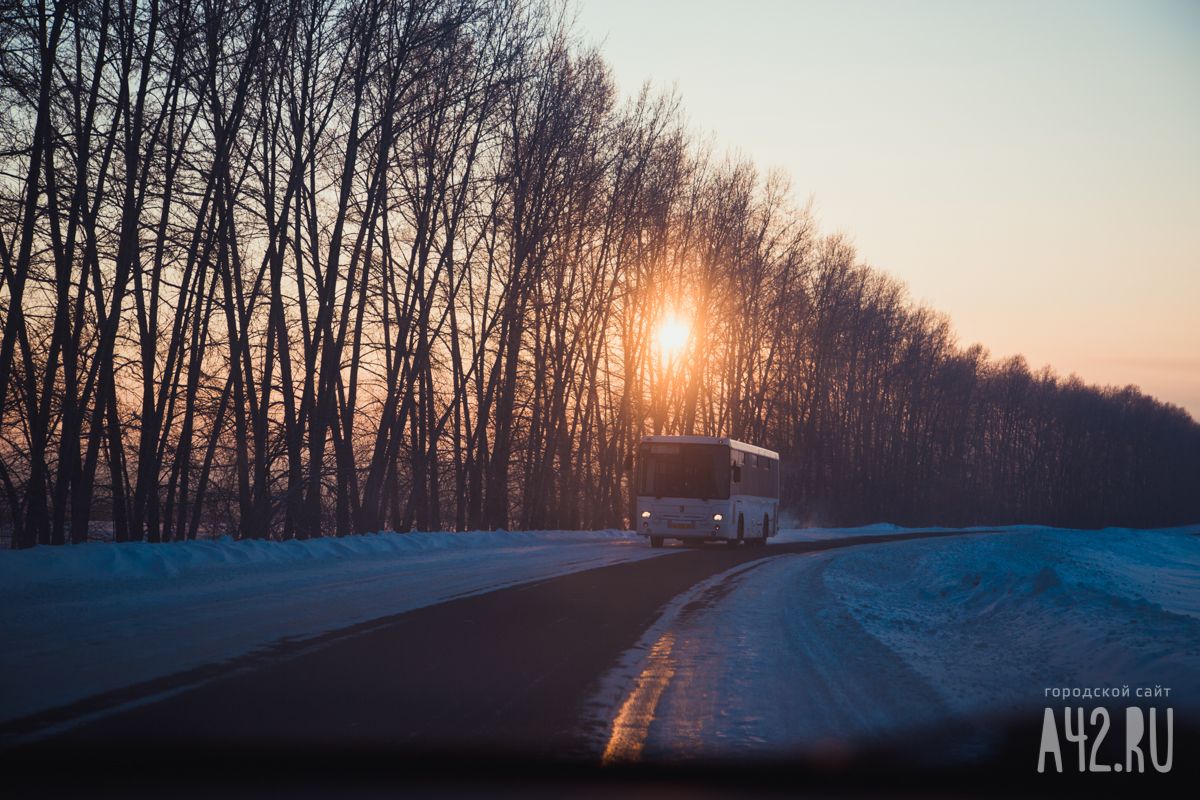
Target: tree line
{"points": [[291, 268]]}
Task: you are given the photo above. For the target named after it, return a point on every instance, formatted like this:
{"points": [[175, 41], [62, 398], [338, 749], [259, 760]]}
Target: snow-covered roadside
{"points": [[79, 621], [822, 651], [993, 621]]}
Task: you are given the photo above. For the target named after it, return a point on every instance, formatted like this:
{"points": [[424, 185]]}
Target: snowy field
{"points": [[83, 620], [817, 652]]}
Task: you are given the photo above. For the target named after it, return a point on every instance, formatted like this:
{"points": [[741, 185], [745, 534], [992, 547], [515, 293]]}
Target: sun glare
{"points": [[673, 334]]}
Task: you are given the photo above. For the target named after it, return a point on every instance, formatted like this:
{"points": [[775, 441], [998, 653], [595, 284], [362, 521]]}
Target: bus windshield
{"points": [[684, 470]]}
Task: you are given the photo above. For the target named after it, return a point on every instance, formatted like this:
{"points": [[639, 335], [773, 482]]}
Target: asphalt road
{"points": [[504, 673]]}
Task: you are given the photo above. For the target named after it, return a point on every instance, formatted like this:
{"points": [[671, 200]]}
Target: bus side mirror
{"points": [[629, 462], [737, 473]]}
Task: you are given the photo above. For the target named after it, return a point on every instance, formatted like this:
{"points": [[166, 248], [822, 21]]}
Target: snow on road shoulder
{"points": [[618, 716], [80, 621], [761, 663], [846, 648]]}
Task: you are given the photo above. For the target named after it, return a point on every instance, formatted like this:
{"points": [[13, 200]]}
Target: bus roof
{"points": [[733, 443]]}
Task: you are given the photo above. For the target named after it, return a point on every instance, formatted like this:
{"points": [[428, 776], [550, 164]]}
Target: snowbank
{"points": [[56, 568], [79, 621], [993, 621]]}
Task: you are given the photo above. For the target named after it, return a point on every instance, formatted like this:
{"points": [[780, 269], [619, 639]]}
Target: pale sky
{"points": [[1030, 168]]}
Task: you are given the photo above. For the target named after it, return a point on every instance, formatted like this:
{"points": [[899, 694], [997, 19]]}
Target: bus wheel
{"points": [[766, 529], [656, 541], [741, 532]]}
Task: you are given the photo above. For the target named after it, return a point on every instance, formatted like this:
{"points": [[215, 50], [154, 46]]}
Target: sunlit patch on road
{"points": [[632, 723]]}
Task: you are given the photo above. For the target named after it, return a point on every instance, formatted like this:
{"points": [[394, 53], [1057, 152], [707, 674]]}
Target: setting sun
{"points": [[673, 333]]}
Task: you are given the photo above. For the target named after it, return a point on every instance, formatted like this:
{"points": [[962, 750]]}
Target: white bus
{"points": [[705, 488]]}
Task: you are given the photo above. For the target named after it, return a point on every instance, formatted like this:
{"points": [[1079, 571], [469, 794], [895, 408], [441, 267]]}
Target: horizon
{"points": [[1080, 249]]}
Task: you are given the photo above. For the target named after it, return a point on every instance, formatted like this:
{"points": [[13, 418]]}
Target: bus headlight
{"points": [[645, 515], [717, 518]]}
